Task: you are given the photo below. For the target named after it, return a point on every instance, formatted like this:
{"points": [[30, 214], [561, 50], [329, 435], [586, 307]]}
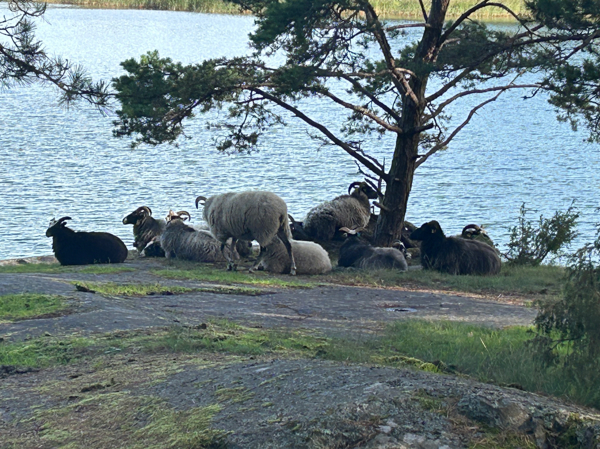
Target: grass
{"points": [[404, 9], [29, 305], [57, 268], [533, 282], [114, 289], [490, 355], [209, 273]]}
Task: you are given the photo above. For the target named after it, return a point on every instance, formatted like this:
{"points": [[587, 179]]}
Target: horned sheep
{"points": [[454, 255], [146, 231], [357, 253], [352, 211], [250, 215], [310, 258], [80, 248]]}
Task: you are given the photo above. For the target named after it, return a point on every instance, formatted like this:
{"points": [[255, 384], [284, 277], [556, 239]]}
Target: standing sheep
{"points": [[352, 211], [146, 231], [357, 253], [251, 215], [310, 258], [454, 255], [82, 248]]}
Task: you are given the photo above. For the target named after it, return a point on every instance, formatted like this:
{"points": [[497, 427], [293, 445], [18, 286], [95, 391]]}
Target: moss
{"points": [[30, 305]]}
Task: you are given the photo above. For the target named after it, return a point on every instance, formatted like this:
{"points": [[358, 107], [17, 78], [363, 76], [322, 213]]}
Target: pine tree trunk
{"points": [[399, 184]]}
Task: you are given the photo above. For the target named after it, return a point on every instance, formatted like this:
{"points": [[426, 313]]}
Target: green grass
{"points": [[532, 282], [114, 289], [29, 305], [57, 268], [407, 9], [490, 355], [210, 273]]}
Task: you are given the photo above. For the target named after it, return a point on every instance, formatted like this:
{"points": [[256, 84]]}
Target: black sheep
{"points": [[454, 255], [81, 248], [357, 253], [146, 231]]}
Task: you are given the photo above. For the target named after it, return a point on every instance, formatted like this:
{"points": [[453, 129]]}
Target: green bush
{"points": [[530, 244]]}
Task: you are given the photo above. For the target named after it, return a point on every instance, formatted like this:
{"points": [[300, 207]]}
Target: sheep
{"points": [[310, 258], [81, 248], [454, 255], [476, 232], [353, 211], [357, 253], [146, 231], [250, 215], [184, 242]]}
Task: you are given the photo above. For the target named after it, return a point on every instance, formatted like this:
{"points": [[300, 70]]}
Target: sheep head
{"points": [[56, 225], [472, 230], [365, 188], [137, 215], [181, 215], [427, 230]]}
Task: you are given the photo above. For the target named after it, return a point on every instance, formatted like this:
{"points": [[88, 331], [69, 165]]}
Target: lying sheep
{"points": [[251, 215], [146, 231], [184, 242], [310, 258], [476, 232], [352, 211], [454, 255], [357, 253], [81, 248]]}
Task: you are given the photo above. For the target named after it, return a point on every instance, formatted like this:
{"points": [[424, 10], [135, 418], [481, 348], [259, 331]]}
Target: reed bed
{"points": [[393, 9]]}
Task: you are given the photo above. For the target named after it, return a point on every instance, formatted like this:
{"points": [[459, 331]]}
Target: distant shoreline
{"points": [[388, 9]]}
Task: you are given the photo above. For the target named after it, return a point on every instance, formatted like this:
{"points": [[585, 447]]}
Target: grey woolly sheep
{"points": [[310, 258], [352, 211], [184, 242], [81, 248], [357, 253], [251, 215], [454, 255], [146, 231]]}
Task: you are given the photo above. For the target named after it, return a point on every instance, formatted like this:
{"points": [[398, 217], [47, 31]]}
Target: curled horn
{"points": [[291, 218], [145, 209], [63, 219], [182, 213], [354, 184], [198, 199], [348, 230]]}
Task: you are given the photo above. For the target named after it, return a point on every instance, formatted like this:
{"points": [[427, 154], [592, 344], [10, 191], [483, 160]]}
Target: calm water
{"points": [[58, 162]]}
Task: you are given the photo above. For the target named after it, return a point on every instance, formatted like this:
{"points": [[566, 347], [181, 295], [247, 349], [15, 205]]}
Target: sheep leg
{"points": [[231, 265], [257, 264], [234, 253], [284, 239]]}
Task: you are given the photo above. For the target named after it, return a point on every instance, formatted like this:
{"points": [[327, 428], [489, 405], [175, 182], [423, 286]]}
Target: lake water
{"points": [[58, 162]]}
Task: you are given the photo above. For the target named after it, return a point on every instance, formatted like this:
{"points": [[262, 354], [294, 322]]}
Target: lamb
{"points": [[454, 255], [81, 248], [310, 258], [250, 215], [357, 253], [184, 242], [146, 231], [352, 211]]}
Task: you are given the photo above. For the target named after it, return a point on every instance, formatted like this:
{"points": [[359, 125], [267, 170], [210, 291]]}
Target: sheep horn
{"points": [[354, 184], [60, 220], [183, 213], [291, 219], [146, 209], [348, 230], [200, 198]]}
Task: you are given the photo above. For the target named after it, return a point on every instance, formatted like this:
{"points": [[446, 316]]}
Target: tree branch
{"points": [[323, 129]]}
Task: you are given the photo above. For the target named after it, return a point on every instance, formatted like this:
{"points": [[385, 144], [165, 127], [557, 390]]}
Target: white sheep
{"points": [[310, 258], [250, 215], [353, 211]]}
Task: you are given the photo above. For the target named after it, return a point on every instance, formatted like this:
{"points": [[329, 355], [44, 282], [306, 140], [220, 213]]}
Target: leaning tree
{"points": [[385, 80], [24, 60]]}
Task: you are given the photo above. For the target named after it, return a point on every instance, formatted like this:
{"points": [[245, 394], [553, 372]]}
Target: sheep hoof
{"points": [[232, 267], [293, 272]]}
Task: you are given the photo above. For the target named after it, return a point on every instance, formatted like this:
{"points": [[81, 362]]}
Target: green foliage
{"points": [[569, 328], [530, 244]]}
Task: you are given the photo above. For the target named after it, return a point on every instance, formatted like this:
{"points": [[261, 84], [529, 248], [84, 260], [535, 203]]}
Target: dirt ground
{"points": [[266, 402]]}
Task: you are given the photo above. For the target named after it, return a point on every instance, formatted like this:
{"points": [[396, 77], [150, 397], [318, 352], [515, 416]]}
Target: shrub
{"points": [[530, 244]]}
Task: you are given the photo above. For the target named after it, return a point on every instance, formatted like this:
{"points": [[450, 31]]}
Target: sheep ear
{"points": [[433, 231]]}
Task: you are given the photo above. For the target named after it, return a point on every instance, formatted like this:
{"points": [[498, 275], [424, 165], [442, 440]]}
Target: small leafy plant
{"points": [[531, 243]]}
